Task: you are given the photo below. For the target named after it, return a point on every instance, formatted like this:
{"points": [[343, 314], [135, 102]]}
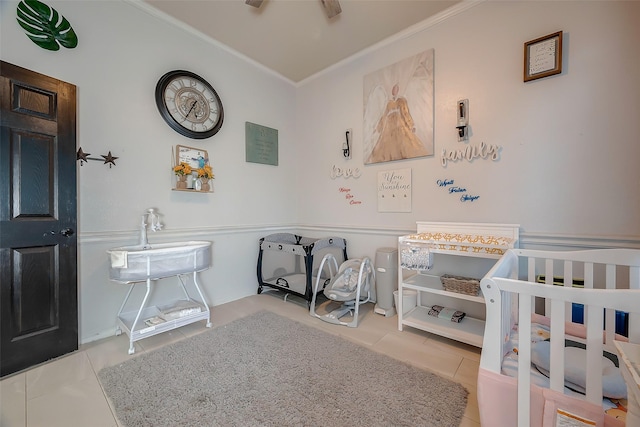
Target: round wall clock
{"points": [[189, 104]]}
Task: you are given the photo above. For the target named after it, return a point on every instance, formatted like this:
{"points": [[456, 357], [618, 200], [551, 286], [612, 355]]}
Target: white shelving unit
{"points": [[463, 240]]}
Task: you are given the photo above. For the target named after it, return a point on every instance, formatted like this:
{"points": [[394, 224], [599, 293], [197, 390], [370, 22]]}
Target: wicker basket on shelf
{"points": [[461, 285]]}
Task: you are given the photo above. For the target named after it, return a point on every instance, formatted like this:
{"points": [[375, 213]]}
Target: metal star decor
{"points": [[109, 159], [84, 157]]}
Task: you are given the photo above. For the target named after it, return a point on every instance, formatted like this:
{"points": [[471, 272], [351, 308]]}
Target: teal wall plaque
{"points": [[261, 144]]}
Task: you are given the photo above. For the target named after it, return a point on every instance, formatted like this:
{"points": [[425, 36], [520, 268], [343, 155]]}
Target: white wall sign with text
{"points": [[394, 191]]}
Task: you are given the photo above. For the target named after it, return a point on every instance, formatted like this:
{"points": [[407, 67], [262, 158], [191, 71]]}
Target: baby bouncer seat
{"points": [[352, 284]]}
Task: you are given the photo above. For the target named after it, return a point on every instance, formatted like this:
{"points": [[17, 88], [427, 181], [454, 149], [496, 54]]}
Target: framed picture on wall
{"points": [[543, 57], [261, 144], [394, 190], [194, 157], [398, 110]]}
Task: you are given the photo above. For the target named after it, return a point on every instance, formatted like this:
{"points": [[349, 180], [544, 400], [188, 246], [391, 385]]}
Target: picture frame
{"points": [[398, 110], [261, 144], [394, 190], [543, 57], [194, 157]]}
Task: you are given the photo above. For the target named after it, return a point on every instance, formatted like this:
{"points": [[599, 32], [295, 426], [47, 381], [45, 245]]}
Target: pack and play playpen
{"points": [[540, 368], [290, 263]]}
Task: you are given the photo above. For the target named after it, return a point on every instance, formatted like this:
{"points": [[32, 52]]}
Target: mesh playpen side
{"points": [[290, 263]]}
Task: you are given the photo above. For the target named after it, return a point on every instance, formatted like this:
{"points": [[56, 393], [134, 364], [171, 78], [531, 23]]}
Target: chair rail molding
{"points": [[527, 239]]}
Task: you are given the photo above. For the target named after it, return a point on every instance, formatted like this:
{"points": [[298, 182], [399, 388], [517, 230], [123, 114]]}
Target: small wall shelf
{"points": [[191, 190]]}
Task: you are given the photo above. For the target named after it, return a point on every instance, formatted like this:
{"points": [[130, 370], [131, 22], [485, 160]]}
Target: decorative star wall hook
{"points": [[84, 157], [109, 159]]}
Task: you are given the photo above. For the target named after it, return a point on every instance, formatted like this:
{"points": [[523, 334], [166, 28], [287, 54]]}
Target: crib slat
{"points": [[556, 353], [548, 271], [634, 319], [568, 281], [610, 281], [531, 269], [610, 314], [594, 317], [634, 277], [532, 277], [524, 361], [557, 345], [593, 320], [588, 275]]}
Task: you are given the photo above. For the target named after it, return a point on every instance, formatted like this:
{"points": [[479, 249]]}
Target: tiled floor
{"points": [[66, 392]]}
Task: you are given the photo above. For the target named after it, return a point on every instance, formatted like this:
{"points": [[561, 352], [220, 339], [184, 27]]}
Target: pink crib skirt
{"points": [[498, 402]]}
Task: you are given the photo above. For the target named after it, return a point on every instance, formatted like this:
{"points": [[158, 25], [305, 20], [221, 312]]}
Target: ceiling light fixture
{"points": [[332, 7]]}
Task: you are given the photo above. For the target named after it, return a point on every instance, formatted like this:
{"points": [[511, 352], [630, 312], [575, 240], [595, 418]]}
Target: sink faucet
{"points": [[153, 222]]}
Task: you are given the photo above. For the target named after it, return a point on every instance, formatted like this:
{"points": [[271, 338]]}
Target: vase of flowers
{"points": [[205, 174], [182, 171]]}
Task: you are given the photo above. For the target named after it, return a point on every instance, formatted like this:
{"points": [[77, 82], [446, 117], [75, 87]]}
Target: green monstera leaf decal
{"points": [[45, 26]]}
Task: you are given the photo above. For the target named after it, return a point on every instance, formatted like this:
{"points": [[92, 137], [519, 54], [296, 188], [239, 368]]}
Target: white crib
{"points": [[514, 295]]}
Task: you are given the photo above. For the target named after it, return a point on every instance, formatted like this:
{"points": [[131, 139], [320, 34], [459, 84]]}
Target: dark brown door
{"points": [[38, 279]]}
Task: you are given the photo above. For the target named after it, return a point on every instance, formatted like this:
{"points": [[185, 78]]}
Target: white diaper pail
{"points": [[409, 299]]}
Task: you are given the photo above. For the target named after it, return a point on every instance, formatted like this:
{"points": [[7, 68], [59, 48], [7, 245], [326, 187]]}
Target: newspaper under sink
{"points": [[137, 263]]}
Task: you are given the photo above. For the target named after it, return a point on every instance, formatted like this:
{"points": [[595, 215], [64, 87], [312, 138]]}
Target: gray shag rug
{"points": [[266, 370]]}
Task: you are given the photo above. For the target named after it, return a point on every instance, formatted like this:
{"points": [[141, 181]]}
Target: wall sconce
{"points": [[462, 111], [346, 147]]}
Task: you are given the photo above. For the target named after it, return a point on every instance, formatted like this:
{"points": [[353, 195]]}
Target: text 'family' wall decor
{"points": [[448, 184], [471, 152], [394, 191]]}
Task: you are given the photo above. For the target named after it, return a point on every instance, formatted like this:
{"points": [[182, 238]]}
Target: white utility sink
{"points": [[138, 263]]}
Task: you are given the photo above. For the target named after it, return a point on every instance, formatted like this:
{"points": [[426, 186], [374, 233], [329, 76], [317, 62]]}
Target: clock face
{"points": [[189, 104]]}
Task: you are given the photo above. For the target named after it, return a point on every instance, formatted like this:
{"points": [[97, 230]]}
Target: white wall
{"points": [[567, 169], [123, 50], [570, 148]]}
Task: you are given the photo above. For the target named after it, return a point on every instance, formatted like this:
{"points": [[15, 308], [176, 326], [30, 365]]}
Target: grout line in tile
{"points": [[104, 394]]}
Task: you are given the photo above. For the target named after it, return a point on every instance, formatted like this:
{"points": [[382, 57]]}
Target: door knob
{"points": [[67, 232]]}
